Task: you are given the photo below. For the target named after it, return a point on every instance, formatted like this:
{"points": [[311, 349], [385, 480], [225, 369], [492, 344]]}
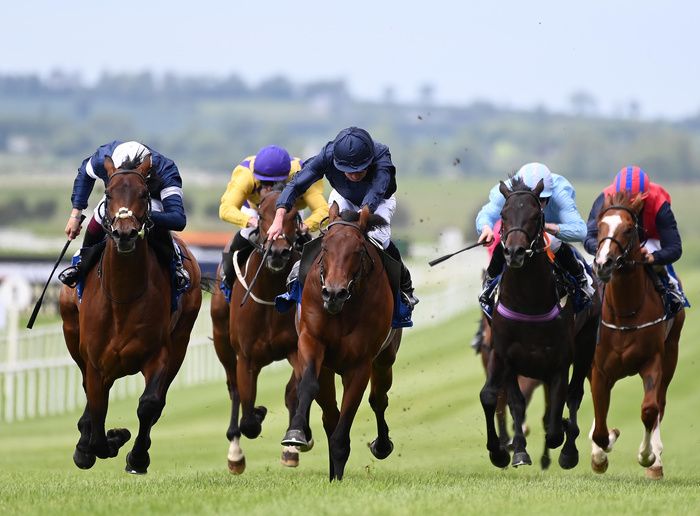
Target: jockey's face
{"points": [[356, 176]]}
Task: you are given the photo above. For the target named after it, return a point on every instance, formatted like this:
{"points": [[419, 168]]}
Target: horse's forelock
{"points": [[133, 163], [375, 221]]}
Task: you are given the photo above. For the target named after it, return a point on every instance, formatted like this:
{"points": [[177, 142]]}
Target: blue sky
{"points": [[514, 53]]}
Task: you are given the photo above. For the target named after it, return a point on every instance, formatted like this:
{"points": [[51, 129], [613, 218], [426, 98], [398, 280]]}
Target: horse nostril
{"points": [[325, 294], [286, 253], [520, 251], [343, 294], [506, 251], [133, 234], [115, 233]]}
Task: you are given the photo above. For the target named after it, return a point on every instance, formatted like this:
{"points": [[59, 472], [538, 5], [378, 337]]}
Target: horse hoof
{"points": [[646, 462], [521, 459], [236, 467], [137, 468], [381, 451], [294, 438], [290, 458], [654, 473], [116, 438], [599, 468], [251, 429], [260, 413], [545, 462], [84, 460], [308, 447], [500, 458], [568, 461]]}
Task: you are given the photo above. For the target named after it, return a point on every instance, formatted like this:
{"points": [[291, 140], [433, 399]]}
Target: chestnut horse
{"points": [[124, 323], [249, 337], [636, 337], [345, 328], [533, 335]]}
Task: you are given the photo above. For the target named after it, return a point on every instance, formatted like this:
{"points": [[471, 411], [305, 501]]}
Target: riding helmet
{"points": [[353, 150]]}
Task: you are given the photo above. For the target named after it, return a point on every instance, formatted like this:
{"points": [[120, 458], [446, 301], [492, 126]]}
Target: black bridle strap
{"points": [[358, 274], [146, 224], [621, 260], [540, 225]]}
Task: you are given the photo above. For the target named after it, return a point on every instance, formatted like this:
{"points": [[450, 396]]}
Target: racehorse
{"points": [[636, 337], [534, 335], [251, 336], [124, 323], [345, 328]]}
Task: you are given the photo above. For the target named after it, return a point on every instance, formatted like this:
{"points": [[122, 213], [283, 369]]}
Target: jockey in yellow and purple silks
{"points": [[252, 178]]}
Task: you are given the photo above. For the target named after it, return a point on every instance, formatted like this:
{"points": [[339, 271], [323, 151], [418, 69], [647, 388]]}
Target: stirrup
{"points": [[182, 277], [409, 298], [70, 276]]}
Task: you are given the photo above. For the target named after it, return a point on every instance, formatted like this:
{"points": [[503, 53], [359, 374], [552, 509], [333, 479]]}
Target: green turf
{"points": [[440, 463]]}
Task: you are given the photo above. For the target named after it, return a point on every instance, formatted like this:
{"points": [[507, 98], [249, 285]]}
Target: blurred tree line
{"points": [[212, 123]]}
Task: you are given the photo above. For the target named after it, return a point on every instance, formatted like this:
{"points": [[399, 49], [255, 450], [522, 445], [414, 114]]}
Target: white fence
{"points": [[39, 378]]}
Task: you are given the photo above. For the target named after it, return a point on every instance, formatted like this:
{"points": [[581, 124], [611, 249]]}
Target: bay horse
{"points": [[345, 328], [123, 324], [533, 335], [250, 337], [636, 337]]}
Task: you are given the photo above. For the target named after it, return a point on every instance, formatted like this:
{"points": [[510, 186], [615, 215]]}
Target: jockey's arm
{"points": [[490, 212], [572, 228], [316, 202], [591, 241], [379, 186], [173, 215], [237, 192], [669, 237]]}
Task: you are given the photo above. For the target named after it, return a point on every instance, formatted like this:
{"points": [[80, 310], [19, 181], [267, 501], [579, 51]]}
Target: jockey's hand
{"points": [[647, 257], [486, 236], [551, 228], [73, 226], [252, 222], [303, 228], [276, 230]]}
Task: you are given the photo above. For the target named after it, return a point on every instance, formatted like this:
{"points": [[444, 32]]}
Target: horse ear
{"points": [[333, 212], [538, 187], [145, 166], [503, 188], [109, 166], [364, 218], [637, 203]]}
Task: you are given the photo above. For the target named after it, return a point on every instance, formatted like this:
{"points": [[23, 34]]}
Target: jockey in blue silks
{"points": [[563, 223], [167, 210]]}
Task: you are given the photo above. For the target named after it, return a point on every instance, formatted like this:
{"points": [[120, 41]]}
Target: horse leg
{"points": [[554, 436], [290, 454], [651, 374], [235, 456], [104, 445], [82, 456], [251, 416], [516, 403], [545, 460], [381, 379], [501, 420], [329, 409], [601, 439], [354, 385], [310, 353], [488, 396]]}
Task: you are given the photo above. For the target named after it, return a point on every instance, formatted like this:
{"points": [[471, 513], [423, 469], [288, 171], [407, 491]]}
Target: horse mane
{"points": [[621, 198], [517, 184], [375, 221], [132, 163]]}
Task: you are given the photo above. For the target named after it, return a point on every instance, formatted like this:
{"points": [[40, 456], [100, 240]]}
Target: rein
{"points": [[124, 213]]}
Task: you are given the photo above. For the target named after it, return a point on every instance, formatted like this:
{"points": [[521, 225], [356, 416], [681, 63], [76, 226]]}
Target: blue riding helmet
{"points": [[272, 163], [353, 150], [531, 173]]}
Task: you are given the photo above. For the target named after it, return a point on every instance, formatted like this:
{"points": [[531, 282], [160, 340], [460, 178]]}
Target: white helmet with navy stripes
{"points": [[128, 151], [531, 173]]}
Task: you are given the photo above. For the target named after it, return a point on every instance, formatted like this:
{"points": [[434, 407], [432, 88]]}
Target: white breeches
{"points": [[385, 210]]}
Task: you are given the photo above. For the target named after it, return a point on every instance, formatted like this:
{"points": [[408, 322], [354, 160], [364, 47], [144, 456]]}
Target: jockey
{"points": [[661, 241], [362, 174], [167, 209], [250, 179], [563, 223]]}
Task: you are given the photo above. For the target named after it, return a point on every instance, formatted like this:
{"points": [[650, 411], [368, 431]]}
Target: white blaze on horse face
{"points": [[613, 221]]}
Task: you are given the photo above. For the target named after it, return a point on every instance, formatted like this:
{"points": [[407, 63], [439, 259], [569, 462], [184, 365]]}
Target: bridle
{"points": [[622, 260], [365, 254], [538, 233], [146, 223]]}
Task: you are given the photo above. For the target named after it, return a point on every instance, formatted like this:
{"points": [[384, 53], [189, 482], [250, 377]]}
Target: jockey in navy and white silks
{"points": [[563, 222], [361, 173], [164, 184]]}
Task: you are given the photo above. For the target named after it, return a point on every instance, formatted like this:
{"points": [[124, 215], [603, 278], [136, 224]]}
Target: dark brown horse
{"points": [[345, 328], [636, 337], [533, 335], [124, 324], [249, 337]]}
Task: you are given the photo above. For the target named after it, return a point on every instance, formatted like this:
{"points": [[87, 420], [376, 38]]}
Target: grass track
{"points": [[439, 465]]}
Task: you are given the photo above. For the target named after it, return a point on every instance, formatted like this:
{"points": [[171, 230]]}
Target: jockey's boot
{"points": [[182, 277], [71, 276], [478, 339], [407, 287], [244, 247], [487, 288], [567, 259]]}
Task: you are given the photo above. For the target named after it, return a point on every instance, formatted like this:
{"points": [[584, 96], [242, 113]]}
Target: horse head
{"points": [[618, 232], [345, 258], [281, 248], [522, 221], [127, 206]]}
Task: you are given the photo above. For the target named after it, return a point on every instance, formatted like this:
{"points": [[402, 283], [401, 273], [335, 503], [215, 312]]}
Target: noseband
{"points": [[125, 213], [365, 253], [540, 226]]}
